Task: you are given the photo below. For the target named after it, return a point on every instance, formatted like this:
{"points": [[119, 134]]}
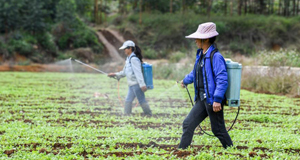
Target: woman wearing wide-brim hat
{"points": [[210, 83], [133, 72]]}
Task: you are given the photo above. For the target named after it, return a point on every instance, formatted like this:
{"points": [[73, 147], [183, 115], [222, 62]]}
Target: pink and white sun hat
{"points": [[126, 44], [204, 31]]}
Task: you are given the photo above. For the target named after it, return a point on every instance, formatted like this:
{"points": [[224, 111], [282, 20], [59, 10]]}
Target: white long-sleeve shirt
{"points": [[132, 71]]}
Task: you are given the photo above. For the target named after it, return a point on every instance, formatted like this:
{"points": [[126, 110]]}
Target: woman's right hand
{"points": [[111, 74], [144, 88], [182, 84]]}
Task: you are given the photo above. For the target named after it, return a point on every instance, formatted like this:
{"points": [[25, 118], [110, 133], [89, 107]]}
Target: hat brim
{"points": [[197, 35], [122, 47]]}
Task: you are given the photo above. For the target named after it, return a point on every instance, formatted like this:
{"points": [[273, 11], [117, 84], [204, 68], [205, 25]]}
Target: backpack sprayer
{"points": [[148, 76], [147, 73], [234, 71]]}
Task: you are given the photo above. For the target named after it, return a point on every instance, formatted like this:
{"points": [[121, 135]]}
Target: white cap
{"points": [[126, 44]]}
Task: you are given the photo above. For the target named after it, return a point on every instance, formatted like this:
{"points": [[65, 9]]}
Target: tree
{"points": [[96, 11], [286, 8], [209, 7], [84, 6], [134, 4], [121, 6], [240, 5], [140, 6], [66, 14], [245, 7], [297, 7], [34, 16], [100, 13], [183, 6], [262, 7], [9, 15], [171, 6], [225, 7], [15, 14]]}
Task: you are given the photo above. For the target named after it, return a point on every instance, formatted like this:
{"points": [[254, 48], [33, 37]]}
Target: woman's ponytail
{"points": [[138, 53]]}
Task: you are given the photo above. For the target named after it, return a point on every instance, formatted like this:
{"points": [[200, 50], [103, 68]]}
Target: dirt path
{"points": [[36, 68], [112, 51], [116, 34]]}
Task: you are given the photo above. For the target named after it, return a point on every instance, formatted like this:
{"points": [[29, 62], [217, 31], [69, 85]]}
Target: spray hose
{"points": [[223, 106]]}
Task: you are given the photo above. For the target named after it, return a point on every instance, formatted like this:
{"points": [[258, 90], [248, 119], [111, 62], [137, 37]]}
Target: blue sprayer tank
{"points": [[148, 76], [234, 70]]}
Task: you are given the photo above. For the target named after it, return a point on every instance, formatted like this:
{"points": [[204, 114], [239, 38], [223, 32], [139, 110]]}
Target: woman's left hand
{"points": [[111, 74], [217, 107], [144, 88]]}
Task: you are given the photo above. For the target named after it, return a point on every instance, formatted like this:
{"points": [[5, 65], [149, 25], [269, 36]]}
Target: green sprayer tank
{"points": [[234, 70]]}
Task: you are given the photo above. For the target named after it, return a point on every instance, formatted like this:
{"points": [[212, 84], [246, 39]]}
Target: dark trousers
{"points": [[198, 113]]}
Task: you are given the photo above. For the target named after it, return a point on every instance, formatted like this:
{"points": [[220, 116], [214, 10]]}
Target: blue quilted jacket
{"points": [[216, 84]]}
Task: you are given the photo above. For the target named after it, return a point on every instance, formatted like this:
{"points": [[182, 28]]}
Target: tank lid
{"points": [[231, 64], [145, 64], [228, 60]]}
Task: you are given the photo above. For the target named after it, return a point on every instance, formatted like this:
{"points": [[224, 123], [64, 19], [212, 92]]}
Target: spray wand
{"points": [[98, 70], [185, 86], [102, 73]]}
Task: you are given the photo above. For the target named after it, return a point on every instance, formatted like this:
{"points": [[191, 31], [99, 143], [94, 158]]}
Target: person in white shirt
{"points": [[135, 79]]}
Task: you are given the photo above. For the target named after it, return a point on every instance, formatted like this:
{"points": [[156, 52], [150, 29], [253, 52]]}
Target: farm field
{"points": [[79, 116]]}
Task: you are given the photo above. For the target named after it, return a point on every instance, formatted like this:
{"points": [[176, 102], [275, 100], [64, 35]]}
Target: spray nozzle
{"points": [[115, 77]]}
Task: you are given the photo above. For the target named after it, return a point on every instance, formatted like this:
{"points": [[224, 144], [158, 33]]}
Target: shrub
{"points": [[65, 55], [20, 46], [46, 41], [2, 47], [80, 38], [237, 47], [24, 63], [87, 38], [150, 53], [177, 56], [274, 80], [30, 38], [171, 71], [281, 58], [277, 77], [64, 41]]}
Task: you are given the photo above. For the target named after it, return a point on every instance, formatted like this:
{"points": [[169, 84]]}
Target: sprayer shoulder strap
{"points": [[132, 57], [211, 60], [139, 59], [212, 69]]}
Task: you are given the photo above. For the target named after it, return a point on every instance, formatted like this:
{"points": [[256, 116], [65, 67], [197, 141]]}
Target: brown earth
{"points": [[169, 148], [34, 68]]}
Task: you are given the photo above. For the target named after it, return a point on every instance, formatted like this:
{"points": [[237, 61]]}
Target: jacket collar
{"points": [[132, 54], [208, 51]]}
